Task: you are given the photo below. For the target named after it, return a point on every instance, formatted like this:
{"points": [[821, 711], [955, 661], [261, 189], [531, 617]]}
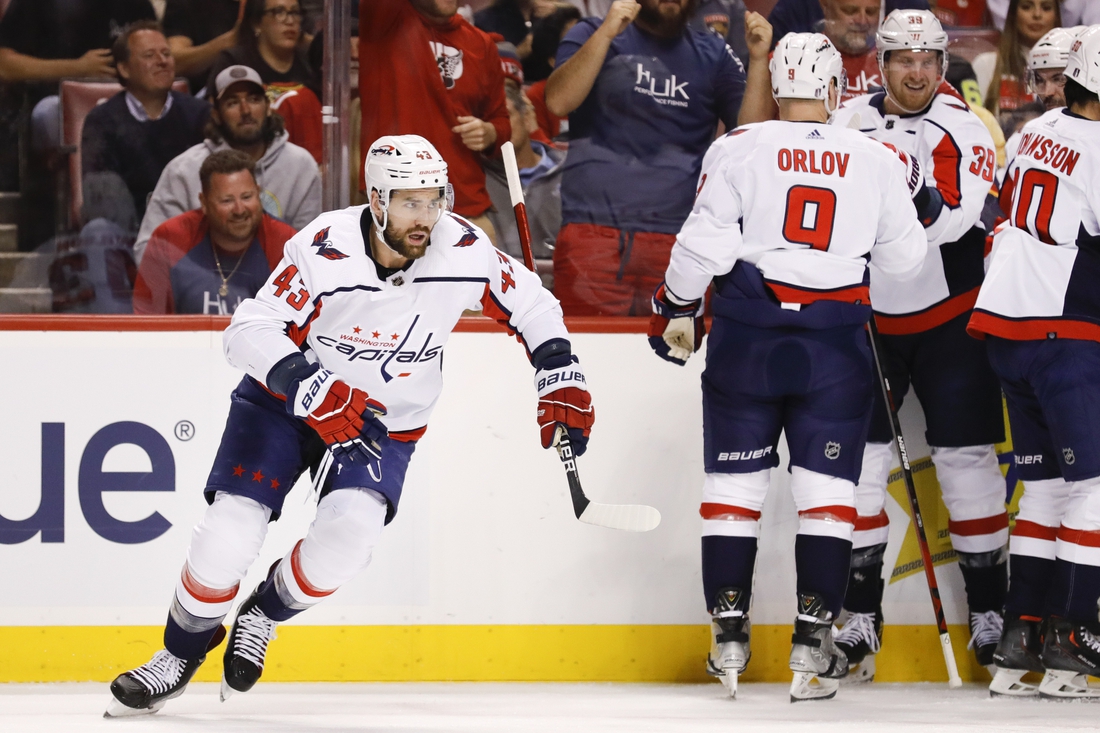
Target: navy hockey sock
{"points": [[865, 584], [822, 567], [985, 575], [1029, 581], [728, 562], [1074, 592], [274, 601], [190, 644]]}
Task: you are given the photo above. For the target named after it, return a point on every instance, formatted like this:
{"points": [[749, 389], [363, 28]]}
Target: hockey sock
{"points": [[728, 562], [1028, 585], [1074, 592], [985, 575], [193, 641], [865, 584], [822, 567]]}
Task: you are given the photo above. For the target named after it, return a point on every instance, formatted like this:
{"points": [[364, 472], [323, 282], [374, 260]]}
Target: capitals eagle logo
{"points": [[325, 248]]}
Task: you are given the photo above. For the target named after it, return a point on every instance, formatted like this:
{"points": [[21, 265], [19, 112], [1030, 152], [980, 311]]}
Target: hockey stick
{"points": [[519, 206], [628, 517], [953, 679]]}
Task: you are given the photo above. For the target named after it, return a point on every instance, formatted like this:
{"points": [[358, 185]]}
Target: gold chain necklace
{"points": [[224, 289]]}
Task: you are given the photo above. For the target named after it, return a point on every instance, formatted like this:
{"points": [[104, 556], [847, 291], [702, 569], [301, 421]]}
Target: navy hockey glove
{"points": [[676, 330], [564, 400], [345, 417]]}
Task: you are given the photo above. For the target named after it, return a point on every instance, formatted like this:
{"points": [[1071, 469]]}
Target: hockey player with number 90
{"points": [[342, 350], [786, 216]]}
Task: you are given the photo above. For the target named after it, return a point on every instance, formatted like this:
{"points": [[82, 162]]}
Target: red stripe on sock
{"points": [[838, 512], [983, 525], [300, 577], [1037, 531], [724, 511], [1083, 537], [865, 523], [204, 593]]}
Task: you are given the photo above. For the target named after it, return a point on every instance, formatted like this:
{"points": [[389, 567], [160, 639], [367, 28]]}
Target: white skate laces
{"points": [[254, 632], [860, 627], [160, 673], [985, 628]]}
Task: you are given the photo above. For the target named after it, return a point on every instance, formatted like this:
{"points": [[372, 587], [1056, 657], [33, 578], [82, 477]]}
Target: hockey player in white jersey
{"points": [[1040, 309], [342, 350], [924, 340], [789, 350]]}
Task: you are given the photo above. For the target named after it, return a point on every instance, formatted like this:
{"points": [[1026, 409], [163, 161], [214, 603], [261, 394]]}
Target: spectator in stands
{"points": [[804, 16], [269, 41], [547, 36], [1002, 74], [198, 30], [851, 26], [137, 132], [513, 20], [241, 119], [960, 13], [644, 95], [726, 19], [209, 260], [1074, 12], [429, 72], [540, 167], [42, 41]]}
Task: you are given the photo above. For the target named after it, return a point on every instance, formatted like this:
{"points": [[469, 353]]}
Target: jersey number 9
{"points": [[809, 218]]}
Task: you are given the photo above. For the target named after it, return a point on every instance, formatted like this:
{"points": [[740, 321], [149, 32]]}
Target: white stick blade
{"points": [[511, 172], [627, 517], [953, 679]]}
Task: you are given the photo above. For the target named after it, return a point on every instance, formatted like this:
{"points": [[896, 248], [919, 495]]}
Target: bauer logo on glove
{"points": [[564, 400]]}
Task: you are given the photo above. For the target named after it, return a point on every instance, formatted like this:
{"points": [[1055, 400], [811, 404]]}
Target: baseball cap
{"points": [[509, 60], [231, 75]]}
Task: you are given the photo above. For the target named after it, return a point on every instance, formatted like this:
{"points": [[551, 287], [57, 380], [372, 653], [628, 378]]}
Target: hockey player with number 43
{"points": [[789, 350], [342, 350], [922, 324], [1039, 310]]}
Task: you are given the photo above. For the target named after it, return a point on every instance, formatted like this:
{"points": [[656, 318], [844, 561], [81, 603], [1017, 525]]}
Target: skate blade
{"points": [[1065, 685], [861, 674], [1006, 683], [729, 681], [115, 709], [803, 687], [226, 691]]}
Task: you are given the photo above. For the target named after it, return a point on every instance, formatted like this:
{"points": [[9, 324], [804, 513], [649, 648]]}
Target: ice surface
{"points": [[542, 708]]}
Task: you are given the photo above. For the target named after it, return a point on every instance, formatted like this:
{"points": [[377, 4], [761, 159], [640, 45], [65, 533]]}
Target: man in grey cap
{"points": [[241, 119]]}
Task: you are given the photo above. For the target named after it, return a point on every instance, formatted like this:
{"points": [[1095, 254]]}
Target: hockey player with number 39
{"points": [[924, 342], [1040, 311], [789, 350], [342, 350]]}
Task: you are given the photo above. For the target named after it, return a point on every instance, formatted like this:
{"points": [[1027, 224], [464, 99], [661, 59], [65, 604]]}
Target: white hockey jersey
{"points": [[385, 336], [805, 203], [957, 156], [1044, 271]]}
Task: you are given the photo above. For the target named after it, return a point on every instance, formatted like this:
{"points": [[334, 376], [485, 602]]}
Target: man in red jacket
{"points": [[210, 259], [431, 73]]}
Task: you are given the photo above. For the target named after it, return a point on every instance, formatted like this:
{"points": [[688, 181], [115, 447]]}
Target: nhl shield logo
{"points": [[832, 450], [1067, 455], [398, 281]]}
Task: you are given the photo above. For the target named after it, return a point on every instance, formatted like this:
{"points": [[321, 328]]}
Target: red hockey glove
{"points": [[676, 330], [564, 400], [338, 412]]}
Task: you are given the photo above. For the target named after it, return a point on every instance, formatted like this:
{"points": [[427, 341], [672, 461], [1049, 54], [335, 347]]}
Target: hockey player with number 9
{"points": [[342, 350], [789, 350], [922, 324], [1039, 309]]}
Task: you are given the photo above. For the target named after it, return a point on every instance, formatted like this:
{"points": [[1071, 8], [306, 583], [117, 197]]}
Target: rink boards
{"points": [[484, 575]]}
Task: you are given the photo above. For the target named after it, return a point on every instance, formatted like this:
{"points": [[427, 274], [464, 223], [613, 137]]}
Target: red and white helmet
{"points": [[802, 67], [1083, 64], [1052, 50], [911, 30], [402, 162]]}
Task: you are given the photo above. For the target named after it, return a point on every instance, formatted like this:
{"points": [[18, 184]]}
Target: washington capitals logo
{"points": [[468, 235], [325, 248]]}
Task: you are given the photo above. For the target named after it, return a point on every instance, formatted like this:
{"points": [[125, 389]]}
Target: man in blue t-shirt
{"points": [[644, 95]]}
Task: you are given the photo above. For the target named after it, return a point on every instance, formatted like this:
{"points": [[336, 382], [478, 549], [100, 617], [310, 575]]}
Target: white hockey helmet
{"points": [[911, 30], [1083, 64], [1052, 50], [403, 162], [802, 67]]}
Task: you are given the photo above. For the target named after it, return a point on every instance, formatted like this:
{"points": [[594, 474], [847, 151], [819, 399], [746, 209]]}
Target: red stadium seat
{"points": [[78, 98]]}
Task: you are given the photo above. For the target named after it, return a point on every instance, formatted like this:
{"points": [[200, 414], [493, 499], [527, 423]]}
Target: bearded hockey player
{"points": [[924, 341], [789, 351], [342, 350], [1040, 308]]}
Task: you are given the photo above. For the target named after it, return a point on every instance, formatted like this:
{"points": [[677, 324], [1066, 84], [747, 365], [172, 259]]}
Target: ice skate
{"points": [[860, 639], [145, 690], [985, 633], [1071, 653], [730, 627], [817, 663], [247, 647], [1016, 654]]}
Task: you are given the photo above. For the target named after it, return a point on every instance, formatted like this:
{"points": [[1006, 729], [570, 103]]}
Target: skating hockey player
{"points": [[342, 350], [924, 341], [785, 217], [1040, 308]]}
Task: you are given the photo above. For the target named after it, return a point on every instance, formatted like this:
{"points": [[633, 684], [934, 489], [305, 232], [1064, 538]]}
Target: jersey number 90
{"points": [[810, 215]]}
